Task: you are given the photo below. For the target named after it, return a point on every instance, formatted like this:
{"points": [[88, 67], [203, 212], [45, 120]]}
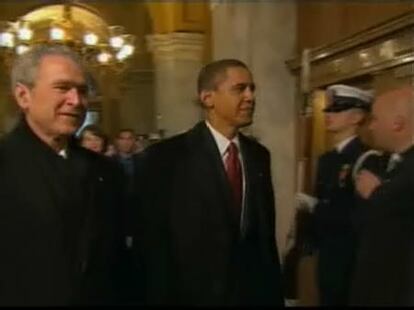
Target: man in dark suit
{"points": [[58, 227], [333, 224], [385, 259], [129, 274], [208, 219]]}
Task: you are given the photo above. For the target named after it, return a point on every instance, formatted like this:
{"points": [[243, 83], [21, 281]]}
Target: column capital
{"points": [[177, 45], [133, 77]]}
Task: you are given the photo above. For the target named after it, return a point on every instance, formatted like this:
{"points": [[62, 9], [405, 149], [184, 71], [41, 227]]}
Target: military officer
{"points": [[345, 112]]}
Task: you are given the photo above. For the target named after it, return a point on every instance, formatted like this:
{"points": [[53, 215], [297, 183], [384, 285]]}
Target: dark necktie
{"points": [[234, 174]]}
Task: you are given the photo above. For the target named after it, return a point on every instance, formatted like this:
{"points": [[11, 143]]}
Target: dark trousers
{"points": [[335, 268]]}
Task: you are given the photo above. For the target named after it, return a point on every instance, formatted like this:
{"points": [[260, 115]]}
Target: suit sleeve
{"points": [[151, 233], [276, 277]]}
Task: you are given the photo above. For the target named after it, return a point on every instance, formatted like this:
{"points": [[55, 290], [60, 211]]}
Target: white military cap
{"points": [[343, 97]]}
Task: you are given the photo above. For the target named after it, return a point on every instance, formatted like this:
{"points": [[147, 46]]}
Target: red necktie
{"points": [[234, 174]]}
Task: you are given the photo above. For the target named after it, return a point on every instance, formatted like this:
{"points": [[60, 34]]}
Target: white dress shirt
{"points": [[63, 153], [341, 145], [395, 158], [222, 144]]}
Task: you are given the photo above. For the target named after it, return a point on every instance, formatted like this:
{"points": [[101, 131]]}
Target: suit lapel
{"points": [[249, 171], [212, 169], [40, 193], [91, 180]]}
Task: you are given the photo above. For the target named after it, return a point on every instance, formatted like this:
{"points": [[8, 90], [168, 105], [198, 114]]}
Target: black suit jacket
{"points": [[130, 179], [336, 194], [194, 251], [384, 274], [58, 224]]}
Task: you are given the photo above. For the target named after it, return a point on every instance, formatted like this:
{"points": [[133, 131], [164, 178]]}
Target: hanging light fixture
{"points": [[71, 24]]}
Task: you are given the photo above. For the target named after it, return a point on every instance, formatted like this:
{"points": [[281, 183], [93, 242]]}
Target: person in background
{"points": [[140, 144], [93, 138], [125, 147], [385, 258], [130, 162], [110, 150]]}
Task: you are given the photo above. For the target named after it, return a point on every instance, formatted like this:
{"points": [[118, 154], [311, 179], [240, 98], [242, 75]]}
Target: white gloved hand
{"points": [[305, 200]]}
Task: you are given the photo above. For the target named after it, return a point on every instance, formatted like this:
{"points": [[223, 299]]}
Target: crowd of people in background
{"points": [[94, 138], [125, 150]]}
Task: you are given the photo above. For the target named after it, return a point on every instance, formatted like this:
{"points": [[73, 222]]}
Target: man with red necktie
{"points": [[207, 227]]}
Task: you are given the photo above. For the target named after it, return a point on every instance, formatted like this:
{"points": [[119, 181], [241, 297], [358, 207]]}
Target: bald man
{"points": [[384, 274]]}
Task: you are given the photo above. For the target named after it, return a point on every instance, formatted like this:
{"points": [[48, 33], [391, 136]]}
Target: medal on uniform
{"points": [[343, 173]]}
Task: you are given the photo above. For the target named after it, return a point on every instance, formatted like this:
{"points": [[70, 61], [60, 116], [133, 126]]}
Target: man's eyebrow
{"points": [[244, 85], [69, 82]]}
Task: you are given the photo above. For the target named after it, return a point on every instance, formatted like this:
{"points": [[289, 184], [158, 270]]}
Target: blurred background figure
{"points": [[94, 139], [346, 111], [110, 150], [153, 137], [125, 144], [140, 143], [130, 162], [384, 263]]}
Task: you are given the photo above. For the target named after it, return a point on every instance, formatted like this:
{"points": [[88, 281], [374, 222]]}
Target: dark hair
{"points": [[130, 130], [96, 131], [215, 72]]}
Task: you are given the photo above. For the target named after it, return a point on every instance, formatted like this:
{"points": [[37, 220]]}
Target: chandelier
{"points": [[74, 25]]}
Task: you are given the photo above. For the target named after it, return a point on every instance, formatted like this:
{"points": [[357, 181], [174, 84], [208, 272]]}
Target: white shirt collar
{"points": [[63, 153], [395, 157], [221, 140], [341, 145]]}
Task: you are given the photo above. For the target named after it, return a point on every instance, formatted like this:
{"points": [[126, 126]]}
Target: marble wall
{"points": [[263, 34]]}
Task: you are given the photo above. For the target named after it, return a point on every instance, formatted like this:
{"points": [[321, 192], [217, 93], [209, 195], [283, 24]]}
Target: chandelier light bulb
{"points": [[116, 42], [121, 56], [90, 39], [126, 51], [57, 34], [21, 49], [25, 34], [6, 39], [104, 57]]}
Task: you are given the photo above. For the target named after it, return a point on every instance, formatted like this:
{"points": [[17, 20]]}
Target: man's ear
{"points": [[358, 117], [399, 122], [205, 97], [22, 95]]}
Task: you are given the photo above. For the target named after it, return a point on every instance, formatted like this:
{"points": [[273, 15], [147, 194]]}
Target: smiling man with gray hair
{"points": [[57, 228]]}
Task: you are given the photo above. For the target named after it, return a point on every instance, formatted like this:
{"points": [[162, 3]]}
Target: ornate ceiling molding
{"points": [[381, 47], [177, 45]]}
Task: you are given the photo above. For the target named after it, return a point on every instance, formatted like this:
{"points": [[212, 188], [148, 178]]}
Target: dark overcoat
{"points": [[59, 224], [195, 251]]}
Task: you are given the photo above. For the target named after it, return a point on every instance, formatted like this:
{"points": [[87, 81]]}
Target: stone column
{"points": [[177, 60], [137, 101], [263, 34]]}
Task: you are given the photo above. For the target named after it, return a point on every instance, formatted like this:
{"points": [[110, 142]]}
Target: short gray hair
{"points": [[25, 66]]}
